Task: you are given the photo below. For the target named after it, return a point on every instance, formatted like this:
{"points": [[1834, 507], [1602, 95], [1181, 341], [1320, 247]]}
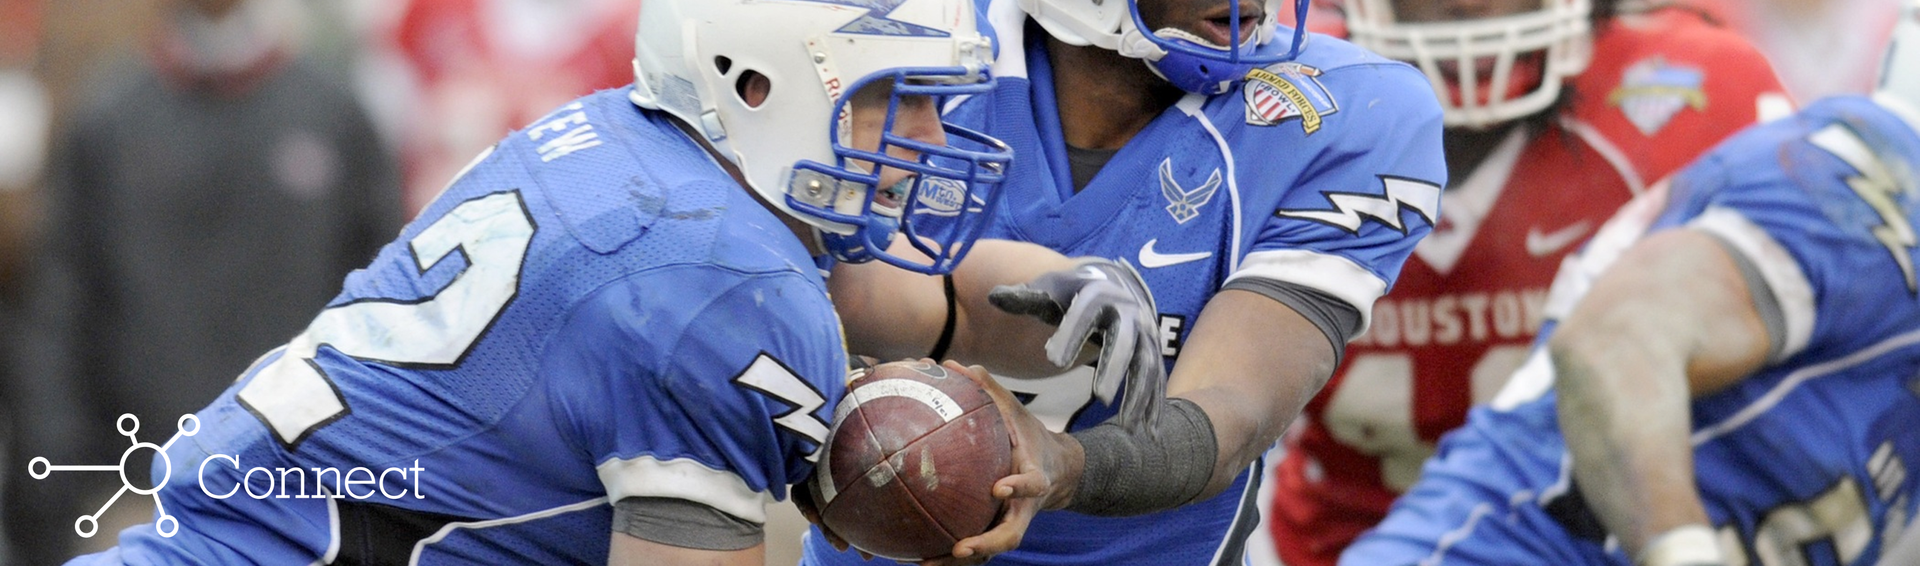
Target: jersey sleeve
{"points": [[1816, 231], [1365, 199], [701, 384]]}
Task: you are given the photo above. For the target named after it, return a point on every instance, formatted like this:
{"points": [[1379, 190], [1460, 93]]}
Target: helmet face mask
{"points": [[1485, 71], [1187, 61], [795, 147], [948, 176]]}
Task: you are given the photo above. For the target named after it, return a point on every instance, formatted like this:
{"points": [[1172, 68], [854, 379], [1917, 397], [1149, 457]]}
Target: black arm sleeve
{"points": [[1335, 318], [1764, 301]]}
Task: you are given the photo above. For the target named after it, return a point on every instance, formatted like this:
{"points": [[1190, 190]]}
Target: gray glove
{"points": [[1101, 302]]}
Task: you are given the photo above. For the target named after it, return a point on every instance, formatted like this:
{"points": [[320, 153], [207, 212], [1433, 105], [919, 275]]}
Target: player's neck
{"points": [[1112, 97], [1466, 147], [801, 230]]}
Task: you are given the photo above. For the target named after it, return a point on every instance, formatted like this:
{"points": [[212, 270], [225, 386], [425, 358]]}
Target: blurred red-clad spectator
{"points": [[455, 75], [24, 118]]}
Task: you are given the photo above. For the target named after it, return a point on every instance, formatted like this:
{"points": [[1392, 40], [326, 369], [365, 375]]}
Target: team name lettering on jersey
{"points": [[1170, 325], [1455, 318], [574, 133]]}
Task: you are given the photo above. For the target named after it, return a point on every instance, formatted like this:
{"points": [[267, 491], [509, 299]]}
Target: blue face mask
{"points": [[943, 206], [1205, 69]]}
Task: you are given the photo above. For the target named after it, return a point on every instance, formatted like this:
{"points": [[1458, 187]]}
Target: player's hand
{"points": [[1046, 468], [1107, 300]]}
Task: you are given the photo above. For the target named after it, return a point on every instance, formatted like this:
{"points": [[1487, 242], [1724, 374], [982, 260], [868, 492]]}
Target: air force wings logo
{"points": [[1183, 204], [1350, 209], [877, 22]]}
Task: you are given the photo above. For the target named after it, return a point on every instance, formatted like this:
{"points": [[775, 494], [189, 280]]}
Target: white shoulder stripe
{"points": [[1326, 273], [683, 478], [1781, 272]]}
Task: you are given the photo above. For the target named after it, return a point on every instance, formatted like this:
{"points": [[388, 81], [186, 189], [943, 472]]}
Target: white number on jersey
{"points": [[1837, 516], [1054, 400], [1372, 410], [774, 379], [295, 398]]}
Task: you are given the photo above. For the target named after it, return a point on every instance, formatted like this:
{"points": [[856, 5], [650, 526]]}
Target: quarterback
{"points": [[1268, 194]]}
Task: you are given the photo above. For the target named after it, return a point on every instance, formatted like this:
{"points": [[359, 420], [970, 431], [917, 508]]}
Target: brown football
{"points": [[910, 465]]}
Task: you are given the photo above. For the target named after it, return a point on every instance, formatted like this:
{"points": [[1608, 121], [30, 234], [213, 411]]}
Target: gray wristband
{"points": [[1161, 467]]}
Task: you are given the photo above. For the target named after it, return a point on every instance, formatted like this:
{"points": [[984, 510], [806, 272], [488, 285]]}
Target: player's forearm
{"points": [[1673, 319], [892, 313], [1625, 411], [1007, 344], [887, 312], [1251, 364]]}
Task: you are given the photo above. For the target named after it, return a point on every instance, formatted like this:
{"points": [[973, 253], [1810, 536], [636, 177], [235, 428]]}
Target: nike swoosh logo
{"points": [[1151, 259], [1541, 244]]}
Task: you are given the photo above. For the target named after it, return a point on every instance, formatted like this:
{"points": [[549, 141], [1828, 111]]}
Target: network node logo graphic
{"points": [[39, 468]]}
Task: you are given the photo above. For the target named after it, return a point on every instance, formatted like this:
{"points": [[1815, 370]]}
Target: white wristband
{"points": [[1683, 546]]}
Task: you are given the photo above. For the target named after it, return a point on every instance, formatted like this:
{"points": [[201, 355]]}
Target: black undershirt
{"points": [[1085, 163]]}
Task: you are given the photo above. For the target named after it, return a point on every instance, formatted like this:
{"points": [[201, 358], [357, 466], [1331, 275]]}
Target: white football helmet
{"points": [[1472, 63], [1187, 61], [693, 56], [1900, 71]]}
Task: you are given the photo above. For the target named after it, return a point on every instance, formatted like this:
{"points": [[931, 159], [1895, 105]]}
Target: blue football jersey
{"points": [[1322, 172], [594, 310], [1807, 461]]}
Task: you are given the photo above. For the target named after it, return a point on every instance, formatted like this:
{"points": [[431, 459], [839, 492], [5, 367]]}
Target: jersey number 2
{"points": [[294, 396]]}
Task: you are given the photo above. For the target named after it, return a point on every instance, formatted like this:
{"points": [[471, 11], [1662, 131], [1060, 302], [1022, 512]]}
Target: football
{"points": [[909, 467]]}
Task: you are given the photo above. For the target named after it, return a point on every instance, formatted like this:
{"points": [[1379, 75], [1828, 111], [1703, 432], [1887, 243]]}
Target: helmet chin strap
{"points": [[1135, 44]]}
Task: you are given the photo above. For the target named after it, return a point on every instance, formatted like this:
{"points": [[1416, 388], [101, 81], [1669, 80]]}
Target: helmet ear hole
{"points": [[752, 88]]}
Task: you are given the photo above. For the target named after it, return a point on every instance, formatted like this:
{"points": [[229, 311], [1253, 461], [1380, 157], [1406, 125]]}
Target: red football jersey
{"points": [[1662, 88], [483, 68]]}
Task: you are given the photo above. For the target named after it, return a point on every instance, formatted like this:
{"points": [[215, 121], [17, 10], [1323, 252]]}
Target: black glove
{"points": [[1108, 303]]}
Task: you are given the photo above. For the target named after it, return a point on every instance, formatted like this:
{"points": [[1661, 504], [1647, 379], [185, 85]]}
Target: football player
{"points": [[1543, 142], [1731, 376], [1266, 192], [608, 341]]}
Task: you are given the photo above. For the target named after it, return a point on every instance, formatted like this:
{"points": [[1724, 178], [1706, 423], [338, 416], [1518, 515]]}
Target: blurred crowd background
{"points": [[183, 183]]}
